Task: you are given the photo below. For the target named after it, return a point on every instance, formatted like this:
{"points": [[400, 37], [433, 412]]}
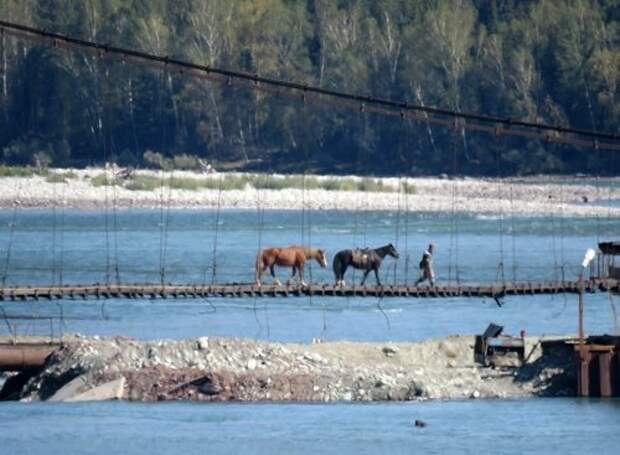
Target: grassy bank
{"points": [[142, 182]]}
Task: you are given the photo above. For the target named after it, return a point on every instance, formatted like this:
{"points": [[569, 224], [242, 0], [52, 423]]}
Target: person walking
{"points": [[426, 266]]}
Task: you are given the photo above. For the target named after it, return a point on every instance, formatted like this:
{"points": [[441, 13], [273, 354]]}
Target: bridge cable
{"points": [[54, 227], [106, 131], [12, 226], [397, 227], [216, 230], [167, 220], [407, 189], [101, 138], [260, 223], [365, 193], [454, 231], [163, 167], [614, 313], [62, 234], [562, 232], [562, 226], [500, 199], [171, 179], [513, 231], [306, 214], [399, 201], [477, 122]]}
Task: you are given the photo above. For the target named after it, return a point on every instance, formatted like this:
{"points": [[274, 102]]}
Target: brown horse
{"points": [[293, 256]]}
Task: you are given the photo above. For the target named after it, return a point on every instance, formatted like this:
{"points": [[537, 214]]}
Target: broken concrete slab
{"points": [[72, 388], [76, 390], [112, 390]]}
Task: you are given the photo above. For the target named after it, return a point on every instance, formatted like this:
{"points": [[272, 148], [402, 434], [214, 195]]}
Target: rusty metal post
{"points": [[583, 374], [581, 337], [587, 260], [604, 372], [616, 376]]}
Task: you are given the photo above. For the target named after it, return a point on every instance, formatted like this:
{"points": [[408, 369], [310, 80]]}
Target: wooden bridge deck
{"points": [[136, 291]]}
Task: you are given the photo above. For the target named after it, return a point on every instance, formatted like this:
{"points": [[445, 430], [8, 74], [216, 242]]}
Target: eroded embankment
{"points": [[222, 369]]}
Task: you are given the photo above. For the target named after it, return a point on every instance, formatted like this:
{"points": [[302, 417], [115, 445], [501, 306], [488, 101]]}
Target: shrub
{"points": [[407, 188], [229, 182], [268, 182], [16, 171], [187, 162], [156, 160], [60, 177], [103, 180], [371, 185], [184, 183], [55, 178], [143, 183], [27, 151]]}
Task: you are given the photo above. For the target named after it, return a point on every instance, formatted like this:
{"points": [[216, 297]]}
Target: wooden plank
{"points": [[243, 289]]}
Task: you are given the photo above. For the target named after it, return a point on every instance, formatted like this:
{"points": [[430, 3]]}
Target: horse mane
{"points": [[308, 250], [311, 252], [382, 250]]}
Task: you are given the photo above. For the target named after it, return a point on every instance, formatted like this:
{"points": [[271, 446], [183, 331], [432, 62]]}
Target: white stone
{"points": [[203, 343]]}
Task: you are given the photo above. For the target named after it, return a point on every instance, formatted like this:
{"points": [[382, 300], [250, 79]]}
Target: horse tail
{"points": [[337, 265]]}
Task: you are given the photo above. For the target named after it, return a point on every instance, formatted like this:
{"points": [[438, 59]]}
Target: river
{"points": [[77, 246]]}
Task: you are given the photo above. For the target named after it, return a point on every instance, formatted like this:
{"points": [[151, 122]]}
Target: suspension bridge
{"points": [[141, 291], [459, 121]]}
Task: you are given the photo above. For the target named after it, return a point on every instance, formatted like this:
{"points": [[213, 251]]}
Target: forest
{"points": [[548, 61]]}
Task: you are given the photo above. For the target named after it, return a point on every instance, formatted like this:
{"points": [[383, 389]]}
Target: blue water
{"points": [[74, 246], [566, 426]]}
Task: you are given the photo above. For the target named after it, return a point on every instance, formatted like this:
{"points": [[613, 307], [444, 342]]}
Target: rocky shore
{"points": [[570, 197], [232, 369]]}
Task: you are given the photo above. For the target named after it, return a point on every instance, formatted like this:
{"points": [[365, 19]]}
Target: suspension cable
{"points": [[216, 231], [476, 122], [397, 227], [513, 231], [407, 156], [12, 225], [500, 265]]}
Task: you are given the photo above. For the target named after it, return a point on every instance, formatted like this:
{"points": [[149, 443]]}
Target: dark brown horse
{"points": [[365, 259], [293, 256]]}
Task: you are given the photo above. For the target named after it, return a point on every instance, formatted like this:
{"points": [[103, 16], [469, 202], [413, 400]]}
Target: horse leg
{"points": [[365, 275], [260, 268], [377, 276], [292, 275], [337, 273], [344, 270], [273, 274], [340, 275], [301, 274]]}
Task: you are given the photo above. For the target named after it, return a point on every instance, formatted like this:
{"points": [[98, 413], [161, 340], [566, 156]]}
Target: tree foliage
{"points": [[552, 61]]}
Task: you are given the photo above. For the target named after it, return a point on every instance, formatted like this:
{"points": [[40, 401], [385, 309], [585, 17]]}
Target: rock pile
{"points": [[223, 369]]}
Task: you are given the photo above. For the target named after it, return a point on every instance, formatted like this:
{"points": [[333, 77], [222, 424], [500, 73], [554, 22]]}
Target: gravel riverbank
{"points": [[232, 369], [570, 197]]}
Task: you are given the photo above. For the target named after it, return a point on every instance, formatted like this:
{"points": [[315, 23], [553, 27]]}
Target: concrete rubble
{"points": [[234, 369]]}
